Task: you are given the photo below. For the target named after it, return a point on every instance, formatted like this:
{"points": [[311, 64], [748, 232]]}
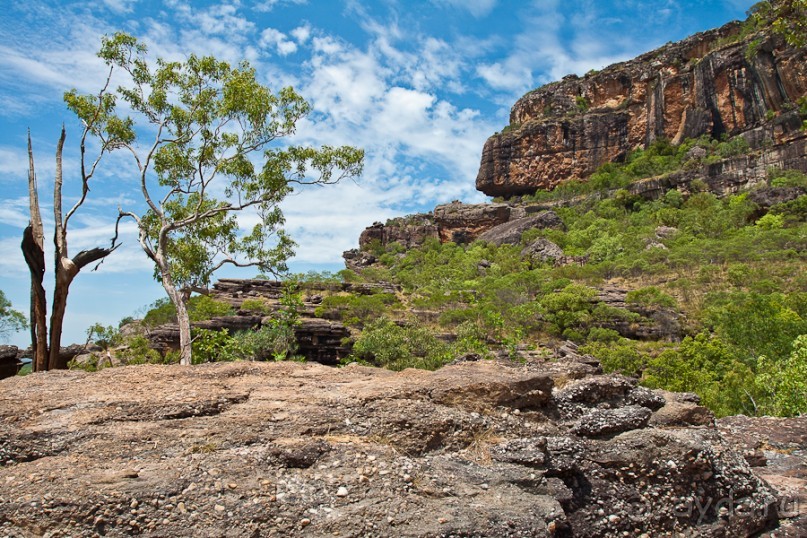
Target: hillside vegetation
{"points": [[733, 273], [711, 292]]}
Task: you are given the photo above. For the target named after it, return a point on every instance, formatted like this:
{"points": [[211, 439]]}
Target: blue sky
{"points": [[418, 84]]}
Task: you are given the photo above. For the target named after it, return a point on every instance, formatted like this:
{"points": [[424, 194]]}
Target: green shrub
{"points": [[259, 305], [650, 296], [137, 350], [105, 337], [276, 341], [200, 308], [357, 310], [384, 343], [204, 307], [707, 367], [211, 346], [615, 354], [771, 222], [784, 382], [582, 103], [778, 177]]}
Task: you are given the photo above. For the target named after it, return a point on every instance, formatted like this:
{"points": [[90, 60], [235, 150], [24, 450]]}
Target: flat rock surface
{"points": [[778, 448], [288, 449]]}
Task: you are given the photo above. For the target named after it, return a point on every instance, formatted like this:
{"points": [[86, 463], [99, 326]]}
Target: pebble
{"points": [[342, 492], [219, 508], [305, 522]]}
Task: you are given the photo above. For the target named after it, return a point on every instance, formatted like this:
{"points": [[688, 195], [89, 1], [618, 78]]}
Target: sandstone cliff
{"points": [[712, 83]]}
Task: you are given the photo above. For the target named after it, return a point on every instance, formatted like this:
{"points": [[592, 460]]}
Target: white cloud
{"points": [[274, 38], [477, 8], [120, 7], [301, 34], [268, 5]]}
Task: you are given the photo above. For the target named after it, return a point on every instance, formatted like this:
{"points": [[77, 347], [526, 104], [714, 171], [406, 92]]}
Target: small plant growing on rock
{"points": [[582, 103]]}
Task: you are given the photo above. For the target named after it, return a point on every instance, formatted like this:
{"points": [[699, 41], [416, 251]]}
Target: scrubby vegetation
{"points": [[721, 280], [732, 272]]}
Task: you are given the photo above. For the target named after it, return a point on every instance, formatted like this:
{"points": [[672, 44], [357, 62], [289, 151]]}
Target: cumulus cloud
{"points": [[278, 40]]}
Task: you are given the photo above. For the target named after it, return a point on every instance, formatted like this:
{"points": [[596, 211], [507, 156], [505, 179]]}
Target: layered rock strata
{"points": [[712, 83]]}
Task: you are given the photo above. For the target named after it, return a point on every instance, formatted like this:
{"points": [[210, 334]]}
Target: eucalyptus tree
{"points": [[206, 141]]}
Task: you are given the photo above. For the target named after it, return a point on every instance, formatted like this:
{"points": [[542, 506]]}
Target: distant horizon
{"points": [[420, 85]]}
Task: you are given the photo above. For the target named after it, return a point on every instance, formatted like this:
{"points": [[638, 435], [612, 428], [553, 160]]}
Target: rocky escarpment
{"points": [[709, 84], [455, 222], [285, 449]]}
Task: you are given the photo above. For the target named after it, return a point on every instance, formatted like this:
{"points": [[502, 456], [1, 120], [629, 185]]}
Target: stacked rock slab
{"points": [[709, 84]]}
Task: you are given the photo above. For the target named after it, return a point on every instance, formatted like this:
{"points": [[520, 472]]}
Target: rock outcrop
{"points": [[319, 340], [712, 83], [480, 448], [455, 222], [9, 363]]}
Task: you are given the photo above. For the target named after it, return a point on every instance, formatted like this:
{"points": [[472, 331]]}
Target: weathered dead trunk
{"points": [[46, 347], [66, 270], [35, 258], [33, 250]]}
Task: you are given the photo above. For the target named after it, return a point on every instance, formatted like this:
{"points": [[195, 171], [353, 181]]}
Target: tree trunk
{"points": [[33, 250], [180, 300], [184, 322], [66, 270], [35, 258]]}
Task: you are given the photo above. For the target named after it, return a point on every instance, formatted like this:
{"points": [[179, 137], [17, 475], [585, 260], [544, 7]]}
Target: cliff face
{"points": [[702, 85]]}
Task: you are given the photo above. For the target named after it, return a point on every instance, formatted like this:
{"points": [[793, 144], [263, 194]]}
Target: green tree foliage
{"points": [[11, 320], [788, 18], [708, 367], [200, 308], [757, 324], [784, 382], [214, 128]]}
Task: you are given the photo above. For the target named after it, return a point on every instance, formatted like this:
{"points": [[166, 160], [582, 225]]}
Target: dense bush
{"points": [[385, 343]]}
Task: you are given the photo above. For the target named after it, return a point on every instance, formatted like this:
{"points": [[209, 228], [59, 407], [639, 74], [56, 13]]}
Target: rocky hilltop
{"points": [[713, 83]]}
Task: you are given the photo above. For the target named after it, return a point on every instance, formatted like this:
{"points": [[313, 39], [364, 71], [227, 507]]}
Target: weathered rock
{"points": [[256, 449], [656, 322], [602, 422], [410, 231], [682, 414], [542, 251], [567, 129], [768, 197], [510, 232], [322, 341], [463, 223], [9, 365], [356, 260], [776, 446]]}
